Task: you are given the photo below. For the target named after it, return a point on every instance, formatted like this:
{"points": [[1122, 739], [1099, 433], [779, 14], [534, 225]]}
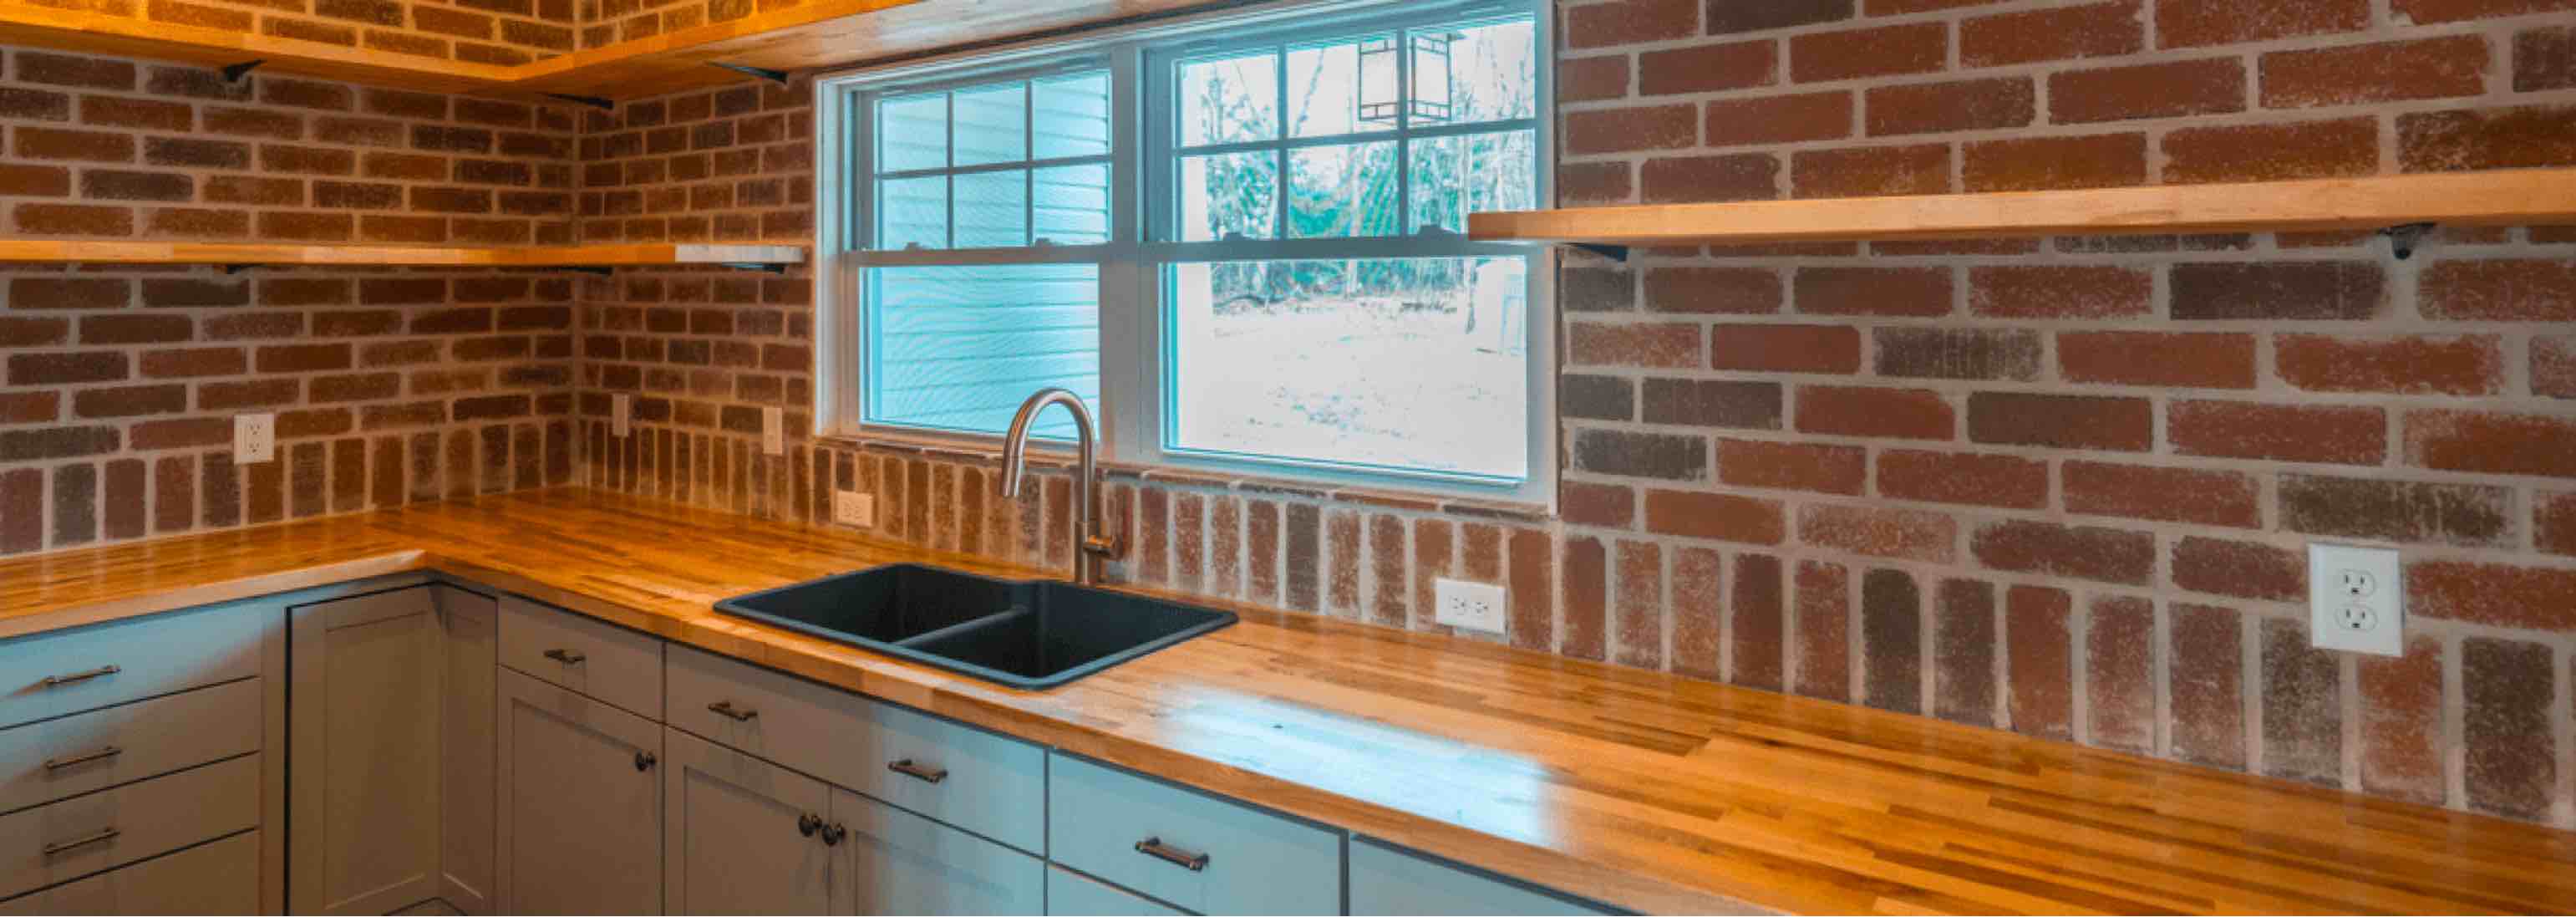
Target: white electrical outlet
{"points": [[621, 413], [773, 431], [254, 438], [1474, 606], [2355, 600], [849, 507]]}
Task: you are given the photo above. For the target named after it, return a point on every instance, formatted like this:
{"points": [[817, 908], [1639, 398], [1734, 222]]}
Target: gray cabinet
{"points": [[368, 709], [1391, 881], [1072, 894], [741, 835], [580, 795], [895, 862]]}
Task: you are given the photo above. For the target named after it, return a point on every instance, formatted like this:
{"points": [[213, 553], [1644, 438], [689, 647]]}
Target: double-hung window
{"points": [[1241, 239]]}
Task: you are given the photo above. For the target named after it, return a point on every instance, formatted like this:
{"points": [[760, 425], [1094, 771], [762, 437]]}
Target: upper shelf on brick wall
{"points": [[812, 34], [2499, 198], [22, 250]]}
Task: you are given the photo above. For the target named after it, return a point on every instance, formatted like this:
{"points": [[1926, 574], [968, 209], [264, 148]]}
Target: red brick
{"points": [[2507, 690], [2544, 59], [68, 70], [1630, 21], [2342, 148], [1985, 480], [1963, 652], [2083, 552], [2277, 290], [2061, 421], [2553, 523], [19, 180], [1704, 68], [1533, 568], [1891, 624], [2531, 136], [1921, 47], [2119, 660], [2302, 705], [1962, 105], [2290, 433], [22, 510], [2169, 494], [2499, 290], [1667, 345], [1586, 572], [2193, 23], [73, 220], [2415, 364], [2433, 11], [1708, 179], [2051, 291], [1792, 466], [1593, 182], [1874, 412], [2401, 722], [1957, 353], [1597, 288], [1756, 622], [33, 332], [2163, 90], [1596, 397], [29, 407], [1719, 517], [2056, 163], [2040, 668], [1592, 79], [2494, 594], [47, 369], [1759, 15], [2553, 366], [1905, 291], [2096, 30], [2532, 444], [1587, 503], [1639, 622], [1624, 130], [1698, 638], [2240, 568], [2457, 514], [1648, 455], [1785, 348], [1823, 659], [1871, 171], [2207, 686], [1904, 534], [1791, 118], [1713, 289], [2391, 71], [2181, 359]]}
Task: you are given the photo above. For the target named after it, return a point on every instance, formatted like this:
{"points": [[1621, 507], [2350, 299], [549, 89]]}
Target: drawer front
{"points": [[1385, 880], [1073, 894], [92, 667], [100, 831], [593, 657], [985, 783], [217, 878], [1112, 824], [45, 761]]}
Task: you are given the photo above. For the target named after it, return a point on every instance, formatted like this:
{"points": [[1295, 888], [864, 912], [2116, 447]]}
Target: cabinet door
{"points": [[364, 741], [466, 748], [1385, 880], [581, 804], [1072, 894], [741, 835], [895, 862]]}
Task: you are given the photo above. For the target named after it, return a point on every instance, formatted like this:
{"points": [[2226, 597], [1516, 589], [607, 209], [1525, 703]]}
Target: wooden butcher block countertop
{"points": [[1643, 790]]}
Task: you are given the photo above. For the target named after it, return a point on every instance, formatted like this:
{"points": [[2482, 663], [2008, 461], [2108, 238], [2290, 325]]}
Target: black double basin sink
{"points": [[1029, 634]]}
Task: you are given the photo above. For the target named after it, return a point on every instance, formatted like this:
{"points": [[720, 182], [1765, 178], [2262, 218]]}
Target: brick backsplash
{"points": [[500, 32], [2055, 486]]}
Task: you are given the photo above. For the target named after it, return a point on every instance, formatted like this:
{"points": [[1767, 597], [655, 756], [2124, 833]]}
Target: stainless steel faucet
{"points": [[1091, 545]]}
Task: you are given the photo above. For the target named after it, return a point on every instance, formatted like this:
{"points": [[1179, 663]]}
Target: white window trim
{"points": [[1131, 343]]}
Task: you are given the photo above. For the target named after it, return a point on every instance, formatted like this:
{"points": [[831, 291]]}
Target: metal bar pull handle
{"points": [[726, 709], [1154, 847], [56, 681], [55, 764], [101, 836], [567, 657], [919, 772]]}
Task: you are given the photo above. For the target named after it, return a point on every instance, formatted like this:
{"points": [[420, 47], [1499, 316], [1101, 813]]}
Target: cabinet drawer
{"points": [[1073, 894], [985, 783], [108, 829], [1385, 880], [217, 878], [1113, 824], [71, 671], [596, 658], [45, 761]]}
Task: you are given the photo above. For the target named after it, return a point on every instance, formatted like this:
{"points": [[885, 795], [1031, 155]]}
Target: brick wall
{"points": [[117, 385], [607, 22], [2056, 486], [474, 31]]}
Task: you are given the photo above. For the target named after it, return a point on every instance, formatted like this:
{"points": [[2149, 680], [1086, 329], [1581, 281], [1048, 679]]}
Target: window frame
{"points": [[1135, 410]]}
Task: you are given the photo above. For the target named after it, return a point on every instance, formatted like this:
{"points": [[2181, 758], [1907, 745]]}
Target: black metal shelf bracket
{"points": [[592, 101], [761, 266], [595, 270], [2403, 239], [233, 73], [1617, 253], [775, 76], [238, 268]]}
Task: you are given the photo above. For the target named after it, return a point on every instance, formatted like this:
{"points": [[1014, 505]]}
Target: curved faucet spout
{"points": [[1090, 544]]}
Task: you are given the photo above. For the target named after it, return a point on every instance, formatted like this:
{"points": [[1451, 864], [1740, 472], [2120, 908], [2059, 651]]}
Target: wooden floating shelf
{"points": [[2498, 198], [814, 34], [20, 251]]}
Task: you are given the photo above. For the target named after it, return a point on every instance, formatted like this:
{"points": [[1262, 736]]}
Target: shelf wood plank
{"points": [[85, 252], [29, 25], [2497, 198]]}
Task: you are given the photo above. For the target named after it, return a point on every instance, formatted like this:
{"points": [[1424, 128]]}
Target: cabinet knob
{"points": [[644, 760], [567, 657], [809, 823], [833, 833]]}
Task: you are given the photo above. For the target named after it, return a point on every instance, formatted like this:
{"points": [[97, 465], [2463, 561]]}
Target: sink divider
{"points": [[993, 620]]}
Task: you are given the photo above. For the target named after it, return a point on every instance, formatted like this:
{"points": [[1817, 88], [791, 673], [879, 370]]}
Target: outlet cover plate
{"points": [[2356, 599], [254, 438], [849, 507], [1471, 606]]}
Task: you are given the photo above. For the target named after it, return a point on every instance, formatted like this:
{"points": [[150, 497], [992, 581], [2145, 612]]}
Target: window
{"points": [[1240, 240]]}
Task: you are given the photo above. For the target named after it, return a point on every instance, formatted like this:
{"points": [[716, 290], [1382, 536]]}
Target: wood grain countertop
{"points": [[1644, 790]]}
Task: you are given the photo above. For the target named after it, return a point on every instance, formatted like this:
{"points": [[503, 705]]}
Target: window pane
{"points": [[1490, 72], [1073, 205], [912, 212], [993, 124], [1415, 364], [1230, 100], [993, 209], [912, 133], [1342, 191], [1229, 195], [1325, 89], [1472, 173], [958, 348], [1072, 116]]}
